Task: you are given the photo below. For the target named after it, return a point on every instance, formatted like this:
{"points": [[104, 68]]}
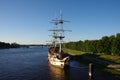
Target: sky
{"points": [[28, 21]]}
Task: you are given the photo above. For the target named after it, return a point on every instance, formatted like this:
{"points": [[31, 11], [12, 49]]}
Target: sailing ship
{"points": [[56, 56]]}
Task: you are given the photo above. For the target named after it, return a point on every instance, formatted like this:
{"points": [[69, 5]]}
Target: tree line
{"points": [[4, 45], [106, 45]]}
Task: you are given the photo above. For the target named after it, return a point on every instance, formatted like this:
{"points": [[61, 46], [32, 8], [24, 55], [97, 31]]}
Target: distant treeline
{"points": [[106, 45], [4, 45]]}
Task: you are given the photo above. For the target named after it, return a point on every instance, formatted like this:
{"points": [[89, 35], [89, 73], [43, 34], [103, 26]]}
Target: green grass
{"points": [[73, 52], [115, 59]]}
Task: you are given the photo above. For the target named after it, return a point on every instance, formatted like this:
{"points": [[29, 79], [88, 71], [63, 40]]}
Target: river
{"points": [[32, 64]]}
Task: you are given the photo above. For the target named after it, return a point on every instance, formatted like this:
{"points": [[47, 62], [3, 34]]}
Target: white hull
{"points": [[62, 63]]}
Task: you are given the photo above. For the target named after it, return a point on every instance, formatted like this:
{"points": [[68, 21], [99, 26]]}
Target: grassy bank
{"points": [[114, 59], [73, 52]]}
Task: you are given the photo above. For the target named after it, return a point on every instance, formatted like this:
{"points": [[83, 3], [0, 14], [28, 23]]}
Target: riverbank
{"points": [[104, 63]]}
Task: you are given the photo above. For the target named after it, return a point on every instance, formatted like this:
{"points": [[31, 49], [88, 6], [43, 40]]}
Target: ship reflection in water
{"points": [[58, 73]]}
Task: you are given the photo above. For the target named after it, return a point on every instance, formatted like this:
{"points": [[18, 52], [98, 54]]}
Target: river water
{"points": [[32, 64]]}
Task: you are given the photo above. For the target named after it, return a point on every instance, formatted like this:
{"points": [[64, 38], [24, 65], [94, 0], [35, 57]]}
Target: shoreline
{"points": [[101, 65]]}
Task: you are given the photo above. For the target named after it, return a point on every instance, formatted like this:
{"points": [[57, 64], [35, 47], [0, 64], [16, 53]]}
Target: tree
{"points": [[111, 40], [106, 45]]}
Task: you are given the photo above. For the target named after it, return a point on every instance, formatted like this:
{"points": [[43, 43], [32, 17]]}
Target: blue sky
{"points": [[28, 21]]}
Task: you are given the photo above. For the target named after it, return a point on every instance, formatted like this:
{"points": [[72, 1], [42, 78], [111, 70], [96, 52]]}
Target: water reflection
{"points": [[58, 73]]}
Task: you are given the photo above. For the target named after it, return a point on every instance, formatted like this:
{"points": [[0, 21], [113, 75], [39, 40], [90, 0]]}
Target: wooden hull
{"points": [[62, 63]]}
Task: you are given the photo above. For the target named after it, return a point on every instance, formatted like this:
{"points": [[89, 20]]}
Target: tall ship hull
{"points": [[61, 60]]}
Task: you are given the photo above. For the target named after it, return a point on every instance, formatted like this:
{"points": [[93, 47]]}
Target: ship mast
{"points": [[58, 31], [55, 31], [61, 30]]}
